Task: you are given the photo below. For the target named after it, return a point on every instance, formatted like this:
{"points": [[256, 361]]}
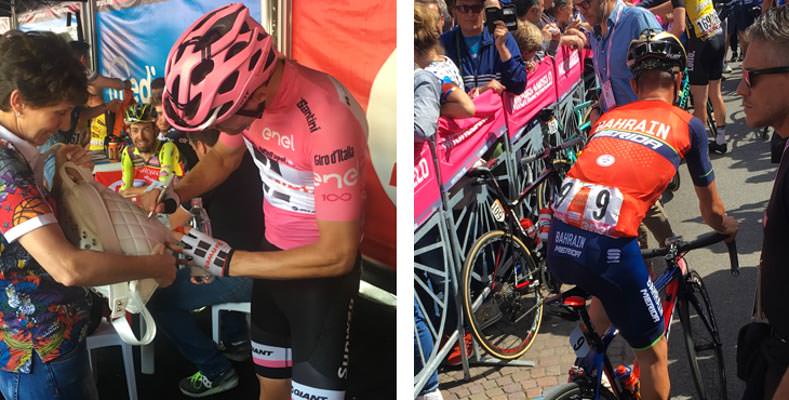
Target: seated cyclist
{"points": [[148, 159], [633, 153]]}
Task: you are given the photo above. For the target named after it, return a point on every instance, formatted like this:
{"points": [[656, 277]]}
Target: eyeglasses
{"points": [[749, 75], [583, 4], [476, 9]]}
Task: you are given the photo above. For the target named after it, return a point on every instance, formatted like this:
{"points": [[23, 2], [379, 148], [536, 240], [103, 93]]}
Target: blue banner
{"points": [[133, 42]]}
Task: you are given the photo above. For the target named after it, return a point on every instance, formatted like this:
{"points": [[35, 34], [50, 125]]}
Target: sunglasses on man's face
{"points": [[749, 75], [467, 9]]}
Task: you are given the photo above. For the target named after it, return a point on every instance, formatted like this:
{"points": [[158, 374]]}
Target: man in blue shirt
{"points": [[615, 25], [486, 60]]}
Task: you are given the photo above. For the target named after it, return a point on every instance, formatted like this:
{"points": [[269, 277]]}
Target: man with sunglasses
{"points": [[487, 60], [764, 89], [633, 152]]}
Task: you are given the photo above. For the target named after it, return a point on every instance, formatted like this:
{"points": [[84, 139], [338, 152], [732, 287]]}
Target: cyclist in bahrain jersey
{"points": [[310, 148], [631, 157]]}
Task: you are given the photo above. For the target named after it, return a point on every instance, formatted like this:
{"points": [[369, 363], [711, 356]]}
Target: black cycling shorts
{"points": [[301, 330], [705, 59]]}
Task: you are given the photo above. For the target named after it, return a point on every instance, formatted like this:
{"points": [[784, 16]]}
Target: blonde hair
{"points": [[426, 33], [528, 36]]}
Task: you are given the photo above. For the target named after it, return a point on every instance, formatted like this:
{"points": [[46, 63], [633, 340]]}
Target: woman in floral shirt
{"points": [[44, 306]]}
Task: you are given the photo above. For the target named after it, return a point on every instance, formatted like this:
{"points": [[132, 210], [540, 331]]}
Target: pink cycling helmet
{"points": [[214, 67]]}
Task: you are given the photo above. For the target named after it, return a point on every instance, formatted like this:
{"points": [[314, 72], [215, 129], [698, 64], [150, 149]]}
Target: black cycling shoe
{"points": [[236, 351], [718, 148], [198, 385], [733, 57]]}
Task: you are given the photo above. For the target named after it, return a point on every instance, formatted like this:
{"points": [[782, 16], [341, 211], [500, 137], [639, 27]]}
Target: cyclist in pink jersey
{"points": [[308, 138]]}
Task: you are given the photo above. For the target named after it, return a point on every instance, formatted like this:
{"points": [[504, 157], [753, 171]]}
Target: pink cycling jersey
{"points": [[310, 146]]}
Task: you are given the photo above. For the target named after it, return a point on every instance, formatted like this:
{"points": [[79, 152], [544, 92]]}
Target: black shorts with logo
{"points": [[300, 328], [705, 59]]}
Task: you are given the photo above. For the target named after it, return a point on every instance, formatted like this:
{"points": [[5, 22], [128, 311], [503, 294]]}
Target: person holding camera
{"points": [[486, 53]]}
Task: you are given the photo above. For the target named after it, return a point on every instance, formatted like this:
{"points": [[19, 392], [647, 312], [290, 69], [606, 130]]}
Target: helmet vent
{"points": [[262, 35], [244, 28], [270, 59], [235, 49], [206, 18], [225, 107], [254, 60], [225, 24], [192, 106], [174, 88], [229, 83], [199, 73]]}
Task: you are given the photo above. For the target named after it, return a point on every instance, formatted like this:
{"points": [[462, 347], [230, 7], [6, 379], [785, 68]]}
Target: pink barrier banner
{"points": [[539, 93], [569, 69], [427, 197], [461, 142]]}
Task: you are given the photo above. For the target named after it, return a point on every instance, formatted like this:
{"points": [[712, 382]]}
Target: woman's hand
{"points": [[168, 273]]}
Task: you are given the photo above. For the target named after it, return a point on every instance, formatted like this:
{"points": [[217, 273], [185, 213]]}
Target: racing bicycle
{"points": [[504, 278], [682, 290]]}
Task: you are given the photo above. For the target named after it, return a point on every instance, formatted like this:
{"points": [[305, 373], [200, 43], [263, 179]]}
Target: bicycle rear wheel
{"points": [[702, 340], [502, 300]]}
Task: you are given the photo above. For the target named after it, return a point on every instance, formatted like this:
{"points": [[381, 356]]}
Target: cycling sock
{"points": [[721, 138]]}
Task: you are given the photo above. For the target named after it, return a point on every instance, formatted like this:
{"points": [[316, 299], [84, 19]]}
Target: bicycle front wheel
{"points": [[502, 300], [702, 340]]}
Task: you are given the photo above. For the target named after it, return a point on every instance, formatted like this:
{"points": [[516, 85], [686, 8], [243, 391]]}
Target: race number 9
{"points": [[588, 206]]}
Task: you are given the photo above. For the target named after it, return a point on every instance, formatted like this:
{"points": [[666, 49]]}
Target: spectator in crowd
{"points": [[230, 206], [742, 16], [46, 309], [148, 159], [166, 132], [427, 104], [439, 7], [487, 60], [768, 4], [615, 24], [96, 81], [529, 40], [764, 89], [455, 103]]}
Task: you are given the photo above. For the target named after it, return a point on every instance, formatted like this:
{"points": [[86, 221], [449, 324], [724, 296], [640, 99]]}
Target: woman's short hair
{"points": [[426, 30], [42, 66]]}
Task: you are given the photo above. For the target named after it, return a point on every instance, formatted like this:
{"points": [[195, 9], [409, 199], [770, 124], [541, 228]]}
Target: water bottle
{"points": [[624, 375], [531, 231], [200, 220]]}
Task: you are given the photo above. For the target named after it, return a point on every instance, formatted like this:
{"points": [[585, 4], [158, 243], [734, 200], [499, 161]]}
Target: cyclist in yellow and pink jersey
{"points": [[308, 137]]}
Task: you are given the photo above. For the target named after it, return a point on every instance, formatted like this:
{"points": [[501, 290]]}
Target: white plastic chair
{"points": [[244, 307], [105, 336]]}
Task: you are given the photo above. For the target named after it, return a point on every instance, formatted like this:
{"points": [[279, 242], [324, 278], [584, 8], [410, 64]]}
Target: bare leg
{"points": [[597, 314], [653, 363], [718, 106], [274, 389], [699, 93]]}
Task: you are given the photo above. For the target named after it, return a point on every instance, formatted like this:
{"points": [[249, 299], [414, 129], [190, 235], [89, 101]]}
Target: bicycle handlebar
{"points": [[550, 150], [702, 241]]}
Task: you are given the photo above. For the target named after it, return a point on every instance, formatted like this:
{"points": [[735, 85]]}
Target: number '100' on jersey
{"points": [[631, 157]]}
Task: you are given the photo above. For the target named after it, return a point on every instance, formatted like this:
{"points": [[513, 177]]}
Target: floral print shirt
{"points": [[36, 312]]}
